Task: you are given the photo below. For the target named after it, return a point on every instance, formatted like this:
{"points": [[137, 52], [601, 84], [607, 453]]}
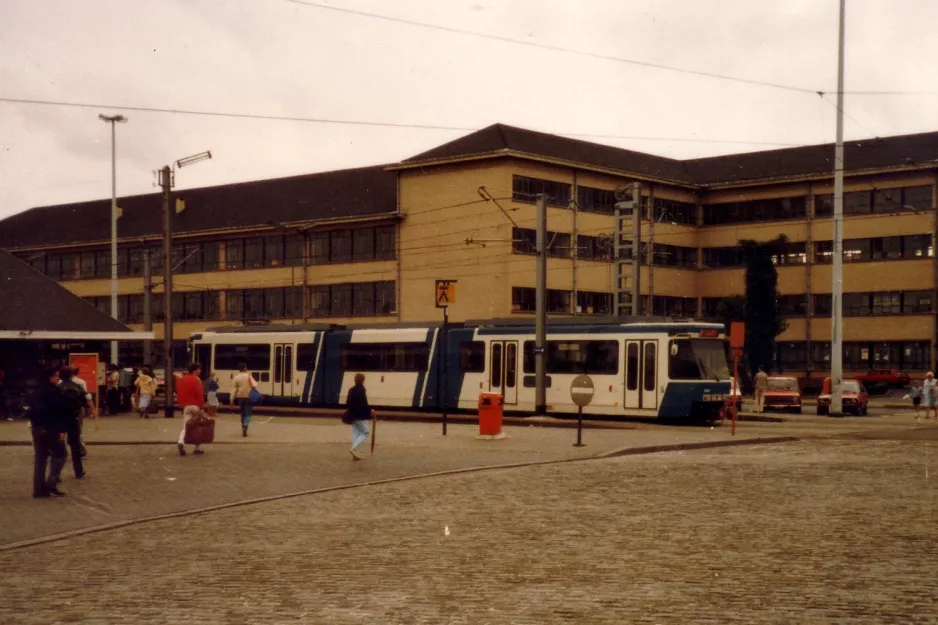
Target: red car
{"points": [[892, 377], [854, 398], [783, 394]]}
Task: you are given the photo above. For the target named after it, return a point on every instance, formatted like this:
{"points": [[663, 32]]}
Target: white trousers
{"points": [[189, 412]]}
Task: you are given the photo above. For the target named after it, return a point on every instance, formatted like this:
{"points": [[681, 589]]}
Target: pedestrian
{"points": [[212, 394], [48, 417], [190, 397], [357, 413], [77, 399], [242, 385], [916, 394], [145, 390], [930, 394], [111, 385], [762, 382], [88, 409]]}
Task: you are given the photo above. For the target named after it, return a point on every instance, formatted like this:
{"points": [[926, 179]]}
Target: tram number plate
{"points": [[717, 397]]}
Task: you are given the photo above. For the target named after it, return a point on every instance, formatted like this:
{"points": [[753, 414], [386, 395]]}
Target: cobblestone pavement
{"points": [[283, 456], [818, 531]]}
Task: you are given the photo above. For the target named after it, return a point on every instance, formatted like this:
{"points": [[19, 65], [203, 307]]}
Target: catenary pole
{"points": [[540, 331], [147, 312], [166, 183], [837, 286]]}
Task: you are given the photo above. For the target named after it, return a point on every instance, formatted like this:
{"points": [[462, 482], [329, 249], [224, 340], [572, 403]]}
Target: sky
{"points": [[592, 69]]}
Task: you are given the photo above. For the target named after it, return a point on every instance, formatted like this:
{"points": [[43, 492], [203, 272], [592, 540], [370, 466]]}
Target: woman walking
{"points": [[244, 383], [146, 389], [211, 388], [930, 393], [357, 414]]}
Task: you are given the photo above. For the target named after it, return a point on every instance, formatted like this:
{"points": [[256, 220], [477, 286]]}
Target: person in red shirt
{"points": [[190, 397]]}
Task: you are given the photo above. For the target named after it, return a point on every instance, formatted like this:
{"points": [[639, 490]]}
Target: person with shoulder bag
{"points": [[76, 400], [357, 413], [244, 386]]}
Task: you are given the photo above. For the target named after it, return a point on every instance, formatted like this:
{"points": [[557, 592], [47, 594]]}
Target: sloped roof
{"points": [[345, 193], [35, 304], [865, 154], [501, 137], [877, 153]]}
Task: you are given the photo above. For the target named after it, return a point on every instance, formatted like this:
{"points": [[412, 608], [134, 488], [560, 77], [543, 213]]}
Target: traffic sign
{"points": [[445, 293], [581, 390]]}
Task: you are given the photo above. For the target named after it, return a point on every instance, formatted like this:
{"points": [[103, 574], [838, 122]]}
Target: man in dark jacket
{"points": [[48, 417], [357, 414]]}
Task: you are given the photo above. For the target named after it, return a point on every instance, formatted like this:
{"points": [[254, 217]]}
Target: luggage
{"points": [[200, 430]]}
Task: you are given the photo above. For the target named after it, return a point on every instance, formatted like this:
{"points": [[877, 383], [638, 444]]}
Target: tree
{"points": [[763, 319]]}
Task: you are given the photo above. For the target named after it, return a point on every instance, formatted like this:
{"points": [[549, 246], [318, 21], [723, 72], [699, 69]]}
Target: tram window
{"points": [[590, 357], [256, 357], [649, 367], [496, 378], [631, 381], [682, 365], [305, 356], [472, 356], [698, 359], [288, 363], [384, 357]]}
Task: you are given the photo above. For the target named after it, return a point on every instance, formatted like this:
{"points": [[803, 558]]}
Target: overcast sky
{"points": [[282, 58]]}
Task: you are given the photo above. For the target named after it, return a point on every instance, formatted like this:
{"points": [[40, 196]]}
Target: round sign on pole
{"points": [[581, 390]]}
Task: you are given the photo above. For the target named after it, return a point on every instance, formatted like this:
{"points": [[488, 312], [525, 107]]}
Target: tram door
{"points": [[641, 374], [503, 370], [283, 370]]}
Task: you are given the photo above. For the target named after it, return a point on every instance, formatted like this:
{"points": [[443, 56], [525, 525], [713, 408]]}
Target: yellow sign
{"points": [[445, 293]]}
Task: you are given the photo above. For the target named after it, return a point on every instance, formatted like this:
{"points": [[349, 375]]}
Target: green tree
{"points": [[764, 320]]}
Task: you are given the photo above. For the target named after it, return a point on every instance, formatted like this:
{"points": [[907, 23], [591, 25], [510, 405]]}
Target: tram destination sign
{"points": [[581, 390]]}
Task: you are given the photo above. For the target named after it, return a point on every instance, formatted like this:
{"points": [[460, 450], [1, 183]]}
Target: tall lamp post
{"points": [[113, 120], [166, 182]]}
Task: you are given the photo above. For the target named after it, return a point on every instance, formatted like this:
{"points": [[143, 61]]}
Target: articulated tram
{"points": [[664, 369]]}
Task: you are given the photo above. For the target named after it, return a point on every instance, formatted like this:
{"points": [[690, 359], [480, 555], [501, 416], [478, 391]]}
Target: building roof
{"points": [[35, 306], [502, 138], [348, 193], [878, 153]]}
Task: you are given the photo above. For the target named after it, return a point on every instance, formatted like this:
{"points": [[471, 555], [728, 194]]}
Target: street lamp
{"points": [[166, 182], [113, 120]]}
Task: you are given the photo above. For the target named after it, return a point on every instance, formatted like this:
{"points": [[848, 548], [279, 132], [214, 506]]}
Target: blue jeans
{"points": [[246, 409], [359, 433]]}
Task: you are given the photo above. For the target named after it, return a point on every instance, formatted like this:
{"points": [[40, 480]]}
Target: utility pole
{"points": [[166, 182], [575, 245], [113, 120], [628, 256], [650, 249], [837, 287], [147, 313], [540, 330]]}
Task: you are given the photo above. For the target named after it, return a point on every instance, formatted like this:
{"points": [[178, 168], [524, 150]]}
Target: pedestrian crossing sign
{"points": [[445, 293]]}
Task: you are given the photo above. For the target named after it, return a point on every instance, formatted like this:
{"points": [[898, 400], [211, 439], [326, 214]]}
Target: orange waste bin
{"points": [[490, 414]]}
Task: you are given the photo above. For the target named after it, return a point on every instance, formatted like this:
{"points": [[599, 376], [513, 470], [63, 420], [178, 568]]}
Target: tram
{"points": [[649, 368]]}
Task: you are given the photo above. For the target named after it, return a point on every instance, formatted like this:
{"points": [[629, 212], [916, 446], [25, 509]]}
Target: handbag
{"points": [[255, 396]]}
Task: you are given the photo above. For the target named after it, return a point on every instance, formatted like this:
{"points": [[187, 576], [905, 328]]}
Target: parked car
{"points": [[783, 393], [854, 398], [891, 377]]}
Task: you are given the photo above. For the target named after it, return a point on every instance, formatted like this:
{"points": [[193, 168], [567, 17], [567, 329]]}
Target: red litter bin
{"points": [[491, 408]]}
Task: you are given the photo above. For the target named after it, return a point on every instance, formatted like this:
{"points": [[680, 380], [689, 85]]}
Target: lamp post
{"points": [[113, 120], [166, 182]]}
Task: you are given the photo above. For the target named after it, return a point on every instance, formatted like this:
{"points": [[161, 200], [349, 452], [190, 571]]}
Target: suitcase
{"points": [[200, 430]]}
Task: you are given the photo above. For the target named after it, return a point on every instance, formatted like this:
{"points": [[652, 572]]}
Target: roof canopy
{"points": [[36, 307]]}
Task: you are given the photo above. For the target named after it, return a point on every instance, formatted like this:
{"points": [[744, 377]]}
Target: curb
{"points": [[32, 542]]}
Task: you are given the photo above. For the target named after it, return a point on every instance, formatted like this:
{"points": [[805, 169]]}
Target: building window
{"points": [[824, 205], [674, 255], [858, 203], [360, 299], [856, 304], [887, 303], [234, 254], [792, 356], [668, 306], [592, 303], [918, 302], [596, 200], [318, 248], [917, 246], [340, 242], [773, 209], [523, 299], [523, 241], [526, 189], [793, 305], [385, 243], [558, 301], [791, 253], [363, 244], [385, 298], [823, 305], [320, 302], [674, 212], [719, 257]]}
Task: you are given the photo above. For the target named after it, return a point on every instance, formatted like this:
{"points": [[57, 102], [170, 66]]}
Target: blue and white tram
{"points": [[651, 369]]}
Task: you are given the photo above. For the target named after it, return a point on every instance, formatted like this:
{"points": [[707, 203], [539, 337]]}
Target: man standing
{"points": [[89, 408], [77, 400], [112, 390], [762, 382], [189, 394], [48, 417]]}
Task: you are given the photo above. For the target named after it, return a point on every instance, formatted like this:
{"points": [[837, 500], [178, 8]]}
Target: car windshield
{"points": [[783, 384], [698, 359], [852, 386]]}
